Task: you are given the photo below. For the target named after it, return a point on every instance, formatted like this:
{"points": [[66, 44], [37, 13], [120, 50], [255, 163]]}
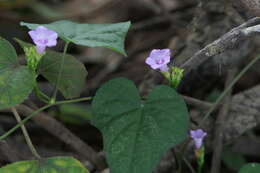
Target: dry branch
{"points": [[61, 132], [228, 41], [220, 125]]}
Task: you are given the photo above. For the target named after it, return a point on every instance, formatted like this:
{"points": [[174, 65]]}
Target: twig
{"points": [[188, 164], [228, 88], [26, 135], [61, 132], [227, 41], [220, 126], [33, 114], [57, 83], [197, 103]]}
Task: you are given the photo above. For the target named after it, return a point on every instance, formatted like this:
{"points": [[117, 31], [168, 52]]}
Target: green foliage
{"points": [[49, 165], [74, 113], [137, 134], [233, 160], [93, 35], [73, 73], [250, 168], [16, 81]]}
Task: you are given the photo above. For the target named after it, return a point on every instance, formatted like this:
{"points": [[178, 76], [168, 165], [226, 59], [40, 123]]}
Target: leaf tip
{"points": [[22, 23]]}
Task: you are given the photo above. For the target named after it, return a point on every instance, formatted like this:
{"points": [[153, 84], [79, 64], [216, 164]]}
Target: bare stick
{"points": [[219, 99], [197, 103], [26, 135], [227, 41], [61, 132], [220, 126]]}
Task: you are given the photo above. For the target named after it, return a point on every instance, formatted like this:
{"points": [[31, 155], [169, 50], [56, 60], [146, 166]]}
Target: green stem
{"points": [[181, 154], [41, 95], [171, 85], [39, 110], [179, 161], [25, 133], [228, 88], [38, 92], [60, 71], [200, 168], [189, 165]]}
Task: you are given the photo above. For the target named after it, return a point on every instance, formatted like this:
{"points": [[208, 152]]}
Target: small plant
{"points": [[128, 124], [136, 131]]}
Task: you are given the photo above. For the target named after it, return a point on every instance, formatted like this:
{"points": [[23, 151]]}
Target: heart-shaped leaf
{"points": [[73, 73], [50, 165], [250, 168], [16, 81], [93, 35], [137, 134]]}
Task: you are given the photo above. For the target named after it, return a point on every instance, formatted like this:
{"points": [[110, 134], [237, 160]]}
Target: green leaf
{"points": [[49, 165], [233, 160], [73, 73], [137, 134], [250, 168], [93, 35], [16, 81]]}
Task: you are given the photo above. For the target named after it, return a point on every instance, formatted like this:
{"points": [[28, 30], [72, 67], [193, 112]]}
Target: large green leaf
{"points": [[73, 73], [93, 35], [136, 134], [50, 165], [16, 81], [250, 168]]}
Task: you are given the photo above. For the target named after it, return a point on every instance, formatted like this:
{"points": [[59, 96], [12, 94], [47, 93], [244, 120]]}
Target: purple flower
{"points": [[197, 136], [43, 37], [158, 59]]}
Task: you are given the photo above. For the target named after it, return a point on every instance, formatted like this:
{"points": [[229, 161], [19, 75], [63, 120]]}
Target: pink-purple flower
{"points": [[43, 37], [158, 59], [198, 136]]}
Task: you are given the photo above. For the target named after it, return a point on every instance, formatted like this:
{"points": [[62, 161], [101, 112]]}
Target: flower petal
{"points": [[164, 68], [43, 37], [40, 49]]}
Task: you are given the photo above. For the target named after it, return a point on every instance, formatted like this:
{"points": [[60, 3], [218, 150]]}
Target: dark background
{"points": [[184, 26]]}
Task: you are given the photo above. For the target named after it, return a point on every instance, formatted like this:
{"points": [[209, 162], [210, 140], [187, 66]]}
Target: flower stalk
{"points": [[198, 136]]}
